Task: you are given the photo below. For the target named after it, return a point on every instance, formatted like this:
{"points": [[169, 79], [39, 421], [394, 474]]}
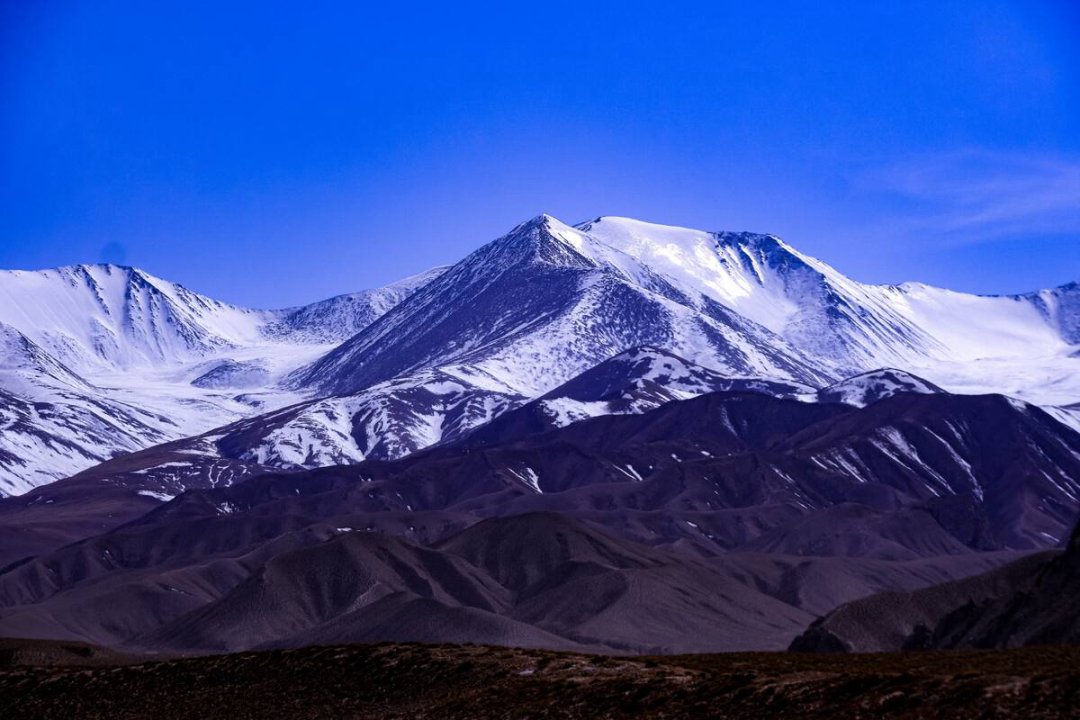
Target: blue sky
{"points": [[272, 154]]}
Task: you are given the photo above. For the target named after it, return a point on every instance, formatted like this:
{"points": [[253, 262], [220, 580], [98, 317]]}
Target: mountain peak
{"points": [[869, 387], [96, 270], [645, 351], [543, 220], [542, 238]]}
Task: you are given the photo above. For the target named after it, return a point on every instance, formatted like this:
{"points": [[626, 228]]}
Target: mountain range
{"points": [[103, 360], [614, 436]]}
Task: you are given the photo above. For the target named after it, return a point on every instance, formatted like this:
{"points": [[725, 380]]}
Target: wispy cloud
{"points": [[978, 195]]}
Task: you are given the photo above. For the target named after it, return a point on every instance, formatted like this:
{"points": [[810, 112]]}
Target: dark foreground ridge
{"points": [[473, 681]]}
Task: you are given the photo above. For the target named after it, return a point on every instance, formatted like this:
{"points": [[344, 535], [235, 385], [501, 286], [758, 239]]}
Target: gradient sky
{"points": [[272, 154]]}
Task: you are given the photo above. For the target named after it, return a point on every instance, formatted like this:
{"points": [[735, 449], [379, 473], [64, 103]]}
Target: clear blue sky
{"points": [[271, 154]]}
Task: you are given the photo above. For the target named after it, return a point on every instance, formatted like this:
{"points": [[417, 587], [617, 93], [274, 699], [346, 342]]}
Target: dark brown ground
{"points": [[469, 681]]}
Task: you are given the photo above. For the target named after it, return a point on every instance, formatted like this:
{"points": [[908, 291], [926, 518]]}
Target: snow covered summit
{"points": [[101, 359]]}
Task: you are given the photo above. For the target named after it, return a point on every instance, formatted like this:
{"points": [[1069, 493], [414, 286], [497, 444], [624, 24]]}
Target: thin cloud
{"points": [[974, 196]]}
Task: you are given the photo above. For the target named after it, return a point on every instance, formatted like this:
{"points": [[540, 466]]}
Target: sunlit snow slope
{"points": [[1024, 345], [97, 360]]}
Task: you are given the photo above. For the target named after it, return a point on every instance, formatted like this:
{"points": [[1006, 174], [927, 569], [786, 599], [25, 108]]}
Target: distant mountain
{"points": [[98, 360], [103, 359], [540, 305], [1032, 601], [339, 318], [55, 422], [104, 317], [94, 318], [855, 325]]}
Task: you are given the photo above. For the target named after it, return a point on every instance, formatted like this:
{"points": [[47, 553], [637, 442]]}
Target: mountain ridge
{"points": [[115, 350]]}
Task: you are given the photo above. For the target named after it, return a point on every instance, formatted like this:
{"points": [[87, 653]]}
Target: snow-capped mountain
{"points": [[383, 422], [96, 318], [1022, 345], [392, 419], [97, 360], [339, 318], [538, 306], [866, 388], [105, 359], [531, 309], [105, 317]]}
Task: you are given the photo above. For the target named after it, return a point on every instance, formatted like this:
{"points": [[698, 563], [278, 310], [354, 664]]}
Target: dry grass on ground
{"points": [[476, 682]]}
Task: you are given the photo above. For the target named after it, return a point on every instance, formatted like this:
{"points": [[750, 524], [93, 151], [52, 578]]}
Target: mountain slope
{"points": [[339, 318], [1061, 308], [101, 360], [540, 579], [909, 476], [1032, 601], [885, 621], [1040, 609], [1014, 459], [866, 388], [111, 494], [93, 317], [392, 419], [632, 382], [858, 326], [383, 422], [534, 308], [341, 585]]}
